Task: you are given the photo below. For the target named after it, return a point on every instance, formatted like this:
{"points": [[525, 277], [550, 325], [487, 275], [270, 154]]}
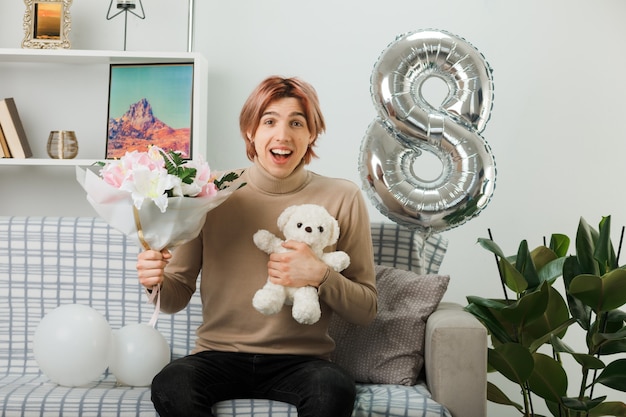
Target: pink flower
{"points": [[202, 185], [156, 175], [114, 173], [119, 171], [209, 190]]}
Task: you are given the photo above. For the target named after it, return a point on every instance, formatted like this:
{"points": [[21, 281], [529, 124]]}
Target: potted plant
{"points": [[528, 329]]}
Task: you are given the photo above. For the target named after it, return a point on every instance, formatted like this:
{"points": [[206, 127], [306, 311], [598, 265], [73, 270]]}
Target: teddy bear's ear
{"points": [[284, 217]]}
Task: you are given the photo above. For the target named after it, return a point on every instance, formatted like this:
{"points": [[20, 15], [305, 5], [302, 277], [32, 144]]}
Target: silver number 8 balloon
{"points": [[407, 126]]}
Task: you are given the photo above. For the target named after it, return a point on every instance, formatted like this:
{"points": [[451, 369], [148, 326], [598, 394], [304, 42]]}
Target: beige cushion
{"points": [[391, 349]]}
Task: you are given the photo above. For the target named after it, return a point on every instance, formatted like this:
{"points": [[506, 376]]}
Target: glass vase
{"points": [[62, 144]]}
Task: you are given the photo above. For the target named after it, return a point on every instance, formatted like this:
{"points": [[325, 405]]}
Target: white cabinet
{"points": [[68, 90]]}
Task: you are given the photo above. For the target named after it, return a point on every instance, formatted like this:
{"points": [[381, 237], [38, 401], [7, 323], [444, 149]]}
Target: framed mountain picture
{"points": [[150, 104]]}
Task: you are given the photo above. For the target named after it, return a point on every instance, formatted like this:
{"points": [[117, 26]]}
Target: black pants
{"points": [[189, 386]]}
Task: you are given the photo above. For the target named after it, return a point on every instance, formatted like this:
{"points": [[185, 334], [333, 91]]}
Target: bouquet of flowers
{"points": [[156, 198], [159, 200]]}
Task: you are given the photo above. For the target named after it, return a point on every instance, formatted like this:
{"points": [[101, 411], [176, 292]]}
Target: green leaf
{"points": [[609, 408], [559, 244], [585, 360], [601, 293], [495, 395], [173, 164], [172, 161], [618, 317], [542, 256], [559, 345], [512, 360], [491, 246], [585, 248], [552, 270], [555, 408], [612, 347], [581, 312], [481, 308], [604, 253], [513, 278], [548, 379], [524, 264], [613, 339], [547, 337], [186, 174], [528, 308], [486, 302], [588, 361], [618, 335], [582, 405], [614, 375], [223, 181], [554, 315]]}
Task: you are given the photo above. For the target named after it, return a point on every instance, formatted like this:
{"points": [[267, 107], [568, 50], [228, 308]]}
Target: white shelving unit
{"points": [[68, 90]]}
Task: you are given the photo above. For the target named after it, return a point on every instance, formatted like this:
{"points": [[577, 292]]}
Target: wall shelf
{"points": [[68, 90], [48, 161]]}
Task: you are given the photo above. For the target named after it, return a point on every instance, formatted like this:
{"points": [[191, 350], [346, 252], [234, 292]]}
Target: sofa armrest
{"points": [[456, 360]]}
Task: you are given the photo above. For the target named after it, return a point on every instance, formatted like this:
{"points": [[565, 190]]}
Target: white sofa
{"points": [[46, 262]]}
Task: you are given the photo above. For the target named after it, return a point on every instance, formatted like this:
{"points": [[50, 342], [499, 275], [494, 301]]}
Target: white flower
{"points": [[144, 183]]}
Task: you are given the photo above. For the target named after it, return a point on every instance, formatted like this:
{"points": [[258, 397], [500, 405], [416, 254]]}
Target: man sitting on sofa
{"points": [[239, 352]]}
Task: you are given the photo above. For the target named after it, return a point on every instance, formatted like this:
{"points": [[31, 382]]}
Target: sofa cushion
{"points": [[34, 395], [402, 248], [372, 400], [391, 349]]}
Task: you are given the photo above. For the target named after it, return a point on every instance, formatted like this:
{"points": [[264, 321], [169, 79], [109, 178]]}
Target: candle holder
{"points": [[62, 144], [125, 6]]}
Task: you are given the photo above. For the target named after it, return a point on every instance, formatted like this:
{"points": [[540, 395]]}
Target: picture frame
{"points": [[47, 24], [150, 104]]}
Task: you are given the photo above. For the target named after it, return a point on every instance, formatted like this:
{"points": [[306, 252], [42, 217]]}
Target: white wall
{"points": [[557, 128]]}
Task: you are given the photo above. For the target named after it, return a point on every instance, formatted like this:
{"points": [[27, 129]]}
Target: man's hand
{"points": [[298, 267], [151, 265]]}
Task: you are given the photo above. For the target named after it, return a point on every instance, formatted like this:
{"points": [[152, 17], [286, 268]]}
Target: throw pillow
{"points": [[390, 350]]}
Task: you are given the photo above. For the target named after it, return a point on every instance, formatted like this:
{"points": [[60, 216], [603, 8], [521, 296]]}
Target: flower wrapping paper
{"points": [[180, 223]]}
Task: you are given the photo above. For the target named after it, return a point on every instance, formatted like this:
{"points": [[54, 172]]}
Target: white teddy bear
{"points": [[313, 225]]}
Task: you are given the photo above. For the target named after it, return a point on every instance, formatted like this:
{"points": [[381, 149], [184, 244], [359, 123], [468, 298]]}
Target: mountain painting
{"points": [[150, 105]]}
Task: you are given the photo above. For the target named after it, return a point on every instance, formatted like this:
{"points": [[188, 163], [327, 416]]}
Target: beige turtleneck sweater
{"points": [[233, 268]]}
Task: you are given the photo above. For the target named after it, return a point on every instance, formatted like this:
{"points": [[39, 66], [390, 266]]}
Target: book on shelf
{"points": [[13, 129], [4, 146]]}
